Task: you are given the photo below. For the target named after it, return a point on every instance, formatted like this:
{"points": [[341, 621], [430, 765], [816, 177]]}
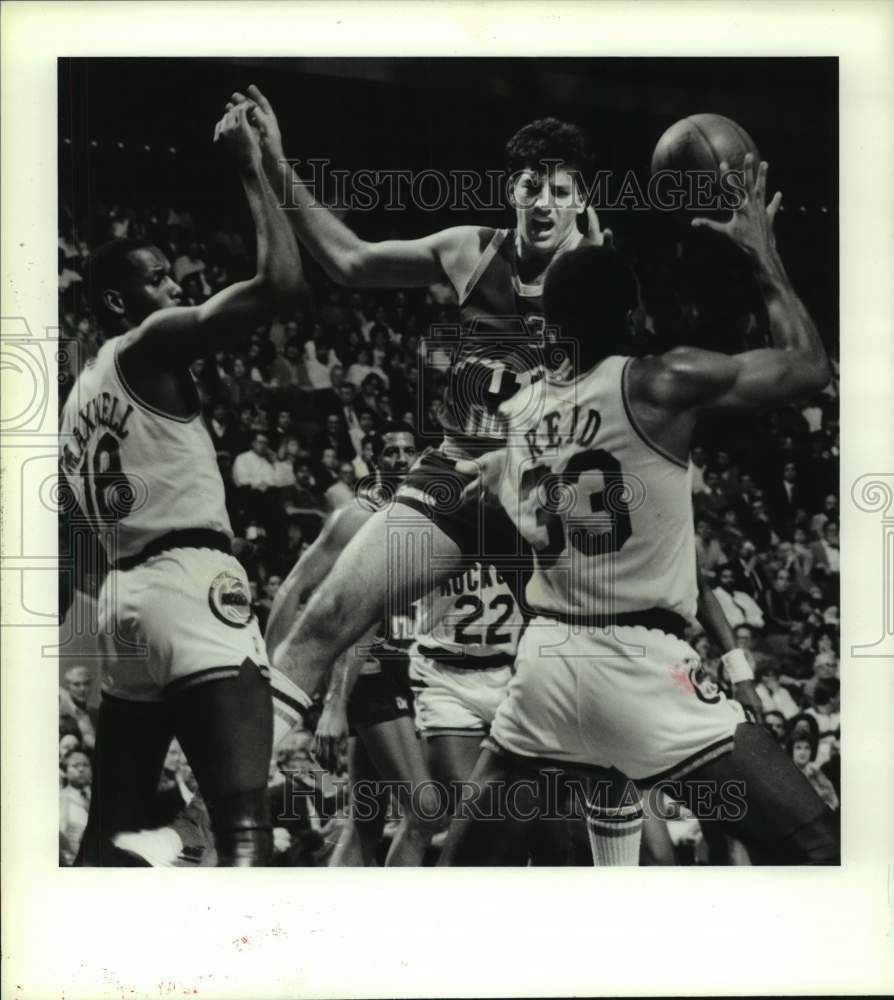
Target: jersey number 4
{"points": [[555, 490]]}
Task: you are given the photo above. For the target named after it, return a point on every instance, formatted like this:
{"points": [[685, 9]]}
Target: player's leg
{"points": [[394, 559], [657, 847], [225, 727], [397, 755], [361, 834], [132, 738], [776, 812]]}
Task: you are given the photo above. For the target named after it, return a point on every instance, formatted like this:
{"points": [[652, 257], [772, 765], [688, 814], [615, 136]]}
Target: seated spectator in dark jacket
{"points": [[750, 571], [760, 530], [335, 436], [712, 500], [223, 436], [780, 605], [785, 495]]}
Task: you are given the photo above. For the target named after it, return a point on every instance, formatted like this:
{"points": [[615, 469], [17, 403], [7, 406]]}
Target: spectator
{"points": [[773, 696], [284, 466], [74, 804], [775, 722], [319, 360], [761, 530], [803, 755], [779, 604], [737, 606], [284, 428], [697, 469], [749, 571], [826, 705], [223, 436], [828, 513], [707, 549], [253, 469], [347, 475], [712, 500], [335, 437], [786, 496], [826, 553], [730, 534], [67, 743], [73, 702]]}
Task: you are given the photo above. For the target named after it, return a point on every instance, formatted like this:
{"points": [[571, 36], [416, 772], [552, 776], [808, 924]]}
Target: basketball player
{"points": [[497, 276], [183, 655], [596, 477], [368, 696]]}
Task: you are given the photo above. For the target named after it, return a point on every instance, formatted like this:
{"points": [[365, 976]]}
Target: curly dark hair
{"points": [[549, 139]]}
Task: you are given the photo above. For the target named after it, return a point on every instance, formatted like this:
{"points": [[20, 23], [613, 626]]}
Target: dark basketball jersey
{"points": [[500, 347]]}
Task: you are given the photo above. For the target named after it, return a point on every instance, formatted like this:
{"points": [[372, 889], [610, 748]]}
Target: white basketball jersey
{"points": [[608, 513], [473, 614], [135, 472]]}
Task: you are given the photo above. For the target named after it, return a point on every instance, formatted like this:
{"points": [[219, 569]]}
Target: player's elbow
{"points": [[810, 374]]}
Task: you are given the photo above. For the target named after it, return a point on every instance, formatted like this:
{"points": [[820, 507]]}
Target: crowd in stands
{"points": [[293, 410]]}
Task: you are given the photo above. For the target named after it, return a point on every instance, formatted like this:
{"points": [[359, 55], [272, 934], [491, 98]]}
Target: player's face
{"points": [[398, 452], [150, 286], [546, 209]]}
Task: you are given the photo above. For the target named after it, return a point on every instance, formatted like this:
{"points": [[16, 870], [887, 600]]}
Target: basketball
{"points": [[700, 142]]}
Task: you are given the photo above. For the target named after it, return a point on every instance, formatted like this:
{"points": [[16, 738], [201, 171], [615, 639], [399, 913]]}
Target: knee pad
{"points": [[243, 832]]}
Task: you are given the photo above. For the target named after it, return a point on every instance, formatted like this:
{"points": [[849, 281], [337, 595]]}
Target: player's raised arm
{"points": [[347, 259], [795, 366], [186, 333]]}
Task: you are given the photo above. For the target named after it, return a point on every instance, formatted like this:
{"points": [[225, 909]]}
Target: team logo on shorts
{"points": [[704, 685], [230, 600]]}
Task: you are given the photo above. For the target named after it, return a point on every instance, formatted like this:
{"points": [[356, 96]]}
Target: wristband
{"points": [[737, 666]]}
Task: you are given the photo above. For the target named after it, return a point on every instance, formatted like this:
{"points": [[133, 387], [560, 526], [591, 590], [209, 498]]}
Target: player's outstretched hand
{"points": [[751, 225], [594, 233], [235, 132], [263, 118], [331, 738]]}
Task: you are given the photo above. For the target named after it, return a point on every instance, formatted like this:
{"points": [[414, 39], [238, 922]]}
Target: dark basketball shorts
{"points": [[379, 697]]}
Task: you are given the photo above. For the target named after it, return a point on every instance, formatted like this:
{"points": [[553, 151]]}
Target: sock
{"points": [[291, 706], [615, 834]]}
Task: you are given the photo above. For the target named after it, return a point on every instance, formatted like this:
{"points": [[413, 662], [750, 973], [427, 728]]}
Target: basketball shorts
{"points": [[379, 697], [479, 526], [455, 701], [630, 698], [180, 618]]}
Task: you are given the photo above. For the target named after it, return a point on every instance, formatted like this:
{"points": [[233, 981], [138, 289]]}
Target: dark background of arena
{"points": [[136, 158]]}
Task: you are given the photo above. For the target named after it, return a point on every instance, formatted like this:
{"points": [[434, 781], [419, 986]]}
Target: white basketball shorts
{"points": [[630, 698], [457, 701], [183, 617]]}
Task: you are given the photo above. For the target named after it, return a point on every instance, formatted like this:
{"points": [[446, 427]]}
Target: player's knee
{"points": [[243, 831], [429, 808]]}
